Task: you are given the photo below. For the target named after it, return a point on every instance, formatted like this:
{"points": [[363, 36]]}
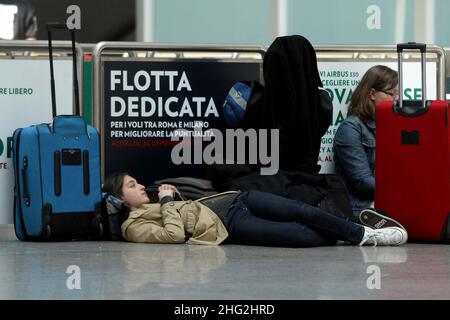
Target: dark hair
{"points": [[379, 78], [113, 183]]}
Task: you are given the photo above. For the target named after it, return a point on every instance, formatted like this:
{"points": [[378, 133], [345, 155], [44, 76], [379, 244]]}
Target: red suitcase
{"points": [[413, 161]]}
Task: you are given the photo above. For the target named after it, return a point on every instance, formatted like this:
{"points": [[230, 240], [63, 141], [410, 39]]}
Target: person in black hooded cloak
{"points": [[292, 102]]}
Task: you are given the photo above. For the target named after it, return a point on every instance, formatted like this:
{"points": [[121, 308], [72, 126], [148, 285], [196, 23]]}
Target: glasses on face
{"points": [[393, 95]]}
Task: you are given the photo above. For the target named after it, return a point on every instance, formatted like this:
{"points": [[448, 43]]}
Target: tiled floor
{"points": [[119, 270]]}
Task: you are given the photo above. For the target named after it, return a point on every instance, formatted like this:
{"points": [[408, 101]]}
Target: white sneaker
{"points": [[390, 236]]}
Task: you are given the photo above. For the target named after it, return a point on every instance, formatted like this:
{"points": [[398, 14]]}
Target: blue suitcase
{"points": [[57, 174]]}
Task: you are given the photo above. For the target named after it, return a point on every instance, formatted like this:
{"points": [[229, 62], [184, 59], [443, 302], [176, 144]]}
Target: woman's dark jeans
{"points": [[265, 219]]}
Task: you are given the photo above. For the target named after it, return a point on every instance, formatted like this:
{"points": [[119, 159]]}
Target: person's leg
{"points": [[245, 228], [276, 208]]}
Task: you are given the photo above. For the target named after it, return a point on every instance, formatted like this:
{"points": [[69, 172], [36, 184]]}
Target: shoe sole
{"points": [[376, 220]]}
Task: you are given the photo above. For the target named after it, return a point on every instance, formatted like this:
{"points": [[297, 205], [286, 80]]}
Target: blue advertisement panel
{"points": [[146, 103]]}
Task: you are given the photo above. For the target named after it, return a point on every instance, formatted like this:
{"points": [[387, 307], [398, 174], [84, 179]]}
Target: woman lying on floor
{"points": [[247, 218]]}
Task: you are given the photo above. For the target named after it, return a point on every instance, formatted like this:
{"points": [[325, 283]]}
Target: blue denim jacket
{"points": [[354, 152]]}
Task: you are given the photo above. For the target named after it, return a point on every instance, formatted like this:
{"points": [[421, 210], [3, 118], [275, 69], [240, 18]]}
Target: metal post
{"points": [[145, 20]]}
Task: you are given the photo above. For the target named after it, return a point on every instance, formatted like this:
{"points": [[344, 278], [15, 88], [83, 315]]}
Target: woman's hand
{"points": [[166, 190]]}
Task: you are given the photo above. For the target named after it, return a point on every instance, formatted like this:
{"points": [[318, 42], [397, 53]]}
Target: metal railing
{"points": [[383, 53], [23, 49]]}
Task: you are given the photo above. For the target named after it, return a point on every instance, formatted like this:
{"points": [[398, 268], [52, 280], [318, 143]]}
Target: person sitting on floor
{"points": [[354, 142]]}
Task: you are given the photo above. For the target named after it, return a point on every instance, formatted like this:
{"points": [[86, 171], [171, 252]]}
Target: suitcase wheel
{"points": [[99, 230], [47, 232]]}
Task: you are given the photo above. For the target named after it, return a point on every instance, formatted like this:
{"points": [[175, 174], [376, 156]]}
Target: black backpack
{"points": [[114, 213]]}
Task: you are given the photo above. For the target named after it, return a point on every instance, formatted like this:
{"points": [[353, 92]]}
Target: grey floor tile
{"points": [[119, 270]]}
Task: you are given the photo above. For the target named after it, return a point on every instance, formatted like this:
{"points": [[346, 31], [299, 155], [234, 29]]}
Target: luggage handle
{"points": [[62, 26], [411, 46]]}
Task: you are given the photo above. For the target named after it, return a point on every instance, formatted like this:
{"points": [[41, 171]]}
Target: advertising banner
{"points": [[340, 79], [147, 102], [25, 99]]}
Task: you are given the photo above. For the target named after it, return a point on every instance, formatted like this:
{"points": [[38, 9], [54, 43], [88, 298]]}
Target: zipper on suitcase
{"points": [[446, 116], [20, 213], [26, 194], [86, 185], [57, 172]]}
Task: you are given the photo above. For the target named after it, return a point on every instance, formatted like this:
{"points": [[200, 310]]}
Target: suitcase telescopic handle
{"points": [[411, 46], [62, 26]]}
